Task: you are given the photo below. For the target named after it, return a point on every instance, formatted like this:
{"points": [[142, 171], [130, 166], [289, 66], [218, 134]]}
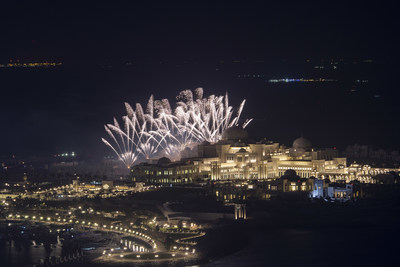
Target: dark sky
{"points": [[49, 111], [189, 30]]}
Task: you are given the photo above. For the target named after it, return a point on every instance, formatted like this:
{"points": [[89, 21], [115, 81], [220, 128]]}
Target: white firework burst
{"points": [[161, 130]]}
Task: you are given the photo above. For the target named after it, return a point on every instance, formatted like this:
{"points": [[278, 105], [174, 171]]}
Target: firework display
{"points": [[159, 130]]}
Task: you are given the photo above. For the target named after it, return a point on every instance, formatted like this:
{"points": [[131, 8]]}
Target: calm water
{"points": [[23, 253], [328, 247], [25, 244], [315, 236]]}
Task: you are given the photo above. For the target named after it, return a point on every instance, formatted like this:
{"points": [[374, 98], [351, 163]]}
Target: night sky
{"points": [[125, 52]]}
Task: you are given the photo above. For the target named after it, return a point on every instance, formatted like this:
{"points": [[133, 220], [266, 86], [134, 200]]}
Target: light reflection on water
{"points": [[24, 253]]}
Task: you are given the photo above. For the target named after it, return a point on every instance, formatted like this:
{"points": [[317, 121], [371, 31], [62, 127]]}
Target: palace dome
{"points": [[235, 133], [290, 173], [242, 150], [302, 143], [163, 161]]}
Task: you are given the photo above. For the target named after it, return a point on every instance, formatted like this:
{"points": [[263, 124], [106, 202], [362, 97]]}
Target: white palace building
{"points": [[235, 157]]}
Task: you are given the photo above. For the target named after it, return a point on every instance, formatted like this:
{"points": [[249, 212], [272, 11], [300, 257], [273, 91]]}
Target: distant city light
{"points": [[286, 80], [72, 154], [18, 64]]}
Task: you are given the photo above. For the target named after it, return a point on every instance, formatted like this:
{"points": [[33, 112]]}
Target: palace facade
{"points": [[236, 157]]}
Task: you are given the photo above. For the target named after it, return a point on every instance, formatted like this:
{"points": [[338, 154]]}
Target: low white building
{"points": [[318, 189], [341, 193]]}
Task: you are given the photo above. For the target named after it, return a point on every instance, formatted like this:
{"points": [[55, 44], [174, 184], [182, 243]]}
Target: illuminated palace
{"points": [[236, 157]]}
